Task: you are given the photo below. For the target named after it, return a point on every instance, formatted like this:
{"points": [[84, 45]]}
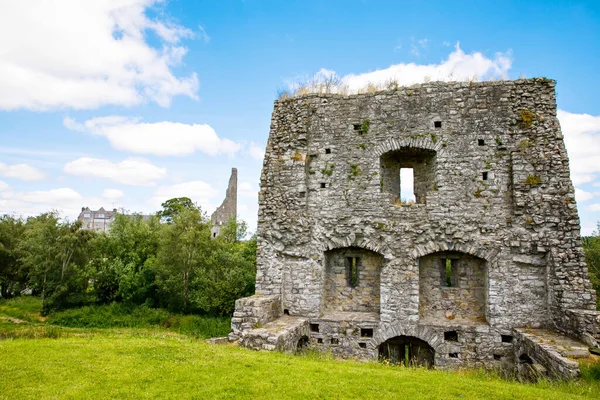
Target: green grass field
{"points": [[90, 363]]}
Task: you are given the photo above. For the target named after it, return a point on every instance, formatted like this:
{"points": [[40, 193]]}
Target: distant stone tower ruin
{"points": [[480, 269], [227, 209]]}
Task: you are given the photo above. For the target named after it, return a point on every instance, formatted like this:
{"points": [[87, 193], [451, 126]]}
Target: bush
{"points": [[119, 315]]}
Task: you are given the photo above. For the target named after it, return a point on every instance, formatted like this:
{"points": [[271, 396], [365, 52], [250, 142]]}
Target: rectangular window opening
{"points": [[407, 185], [484, 175], [366, 332], [320, 340], [314, 328], [453, 355], [497, 357], [507, 338], [327, 151], [286, 312], [335, 341], [362, 345], [437, 124], [481, 142], [357, 127], [449, 275], [451, 336], [353, 271], [323, 185]]}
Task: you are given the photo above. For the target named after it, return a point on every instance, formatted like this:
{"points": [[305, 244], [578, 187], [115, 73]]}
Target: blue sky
{"points": [[126, 103]]}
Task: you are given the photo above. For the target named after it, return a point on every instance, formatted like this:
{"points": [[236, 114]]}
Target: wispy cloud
{"points": [[132, 171], [163, 138]]}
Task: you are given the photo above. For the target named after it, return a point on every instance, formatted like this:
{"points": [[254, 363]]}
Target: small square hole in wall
{"points": [[362, 345], [484, 176], [507, 338], [497, 357], [451, 336], [453, 355], [302, 194], [320, 340], [286, 312], [366, 332], [327, 151], [323, 185], [314, 328], [335, 341], [437, 124], [357, 127], [481, 142]]}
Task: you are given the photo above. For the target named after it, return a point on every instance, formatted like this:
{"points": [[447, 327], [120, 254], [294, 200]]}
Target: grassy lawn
{"points": [[157, 363]]}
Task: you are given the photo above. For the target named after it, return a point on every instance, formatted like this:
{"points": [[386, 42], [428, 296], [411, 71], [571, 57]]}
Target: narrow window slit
{"points": [[484, 175], [352, 271]]}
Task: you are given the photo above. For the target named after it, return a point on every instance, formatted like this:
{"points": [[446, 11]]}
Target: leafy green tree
{"points": [[123, 260], [591, 246], [173, 206], [56, 254], [229, 273], [13, 277], [185, 245]]}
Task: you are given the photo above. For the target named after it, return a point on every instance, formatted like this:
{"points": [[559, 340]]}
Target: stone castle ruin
{"points": [[484, 268], [228, 208]]}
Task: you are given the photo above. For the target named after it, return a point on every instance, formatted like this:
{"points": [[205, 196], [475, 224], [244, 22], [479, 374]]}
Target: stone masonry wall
{"points": [[227, 209], [494, 185]]}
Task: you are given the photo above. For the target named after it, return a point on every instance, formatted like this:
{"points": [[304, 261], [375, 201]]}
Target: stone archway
{"points": [[407, 350]]}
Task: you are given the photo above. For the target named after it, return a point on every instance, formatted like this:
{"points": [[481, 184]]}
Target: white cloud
{"points": [[159, 138], [416, 46], [66, 200], [256, 151], [582, 139], [199, 192], [86, 54], [3, 186], [21, 171], [594, 207], [246, 189], [112, 194], [132, 171], [459, 66], [582, 195]]}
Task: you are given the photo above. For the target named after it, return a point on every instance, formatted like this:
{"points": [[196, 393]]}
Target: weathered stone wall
{"points": [[464, 299], [339, 293], [227, 209], [492, 181]]}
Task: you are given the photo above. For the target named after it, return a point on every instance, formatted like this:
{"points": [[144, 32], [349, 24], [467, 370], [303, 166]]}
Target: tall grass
{"points": [[117, 315]]}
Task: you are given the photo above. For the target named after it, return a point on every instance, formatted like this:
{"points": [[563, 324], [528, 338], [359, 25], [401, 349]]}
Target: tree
{"points": [[123, 259], [173, 206], [184, 247], [13, 277], [56, 255], [591, 246]]}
